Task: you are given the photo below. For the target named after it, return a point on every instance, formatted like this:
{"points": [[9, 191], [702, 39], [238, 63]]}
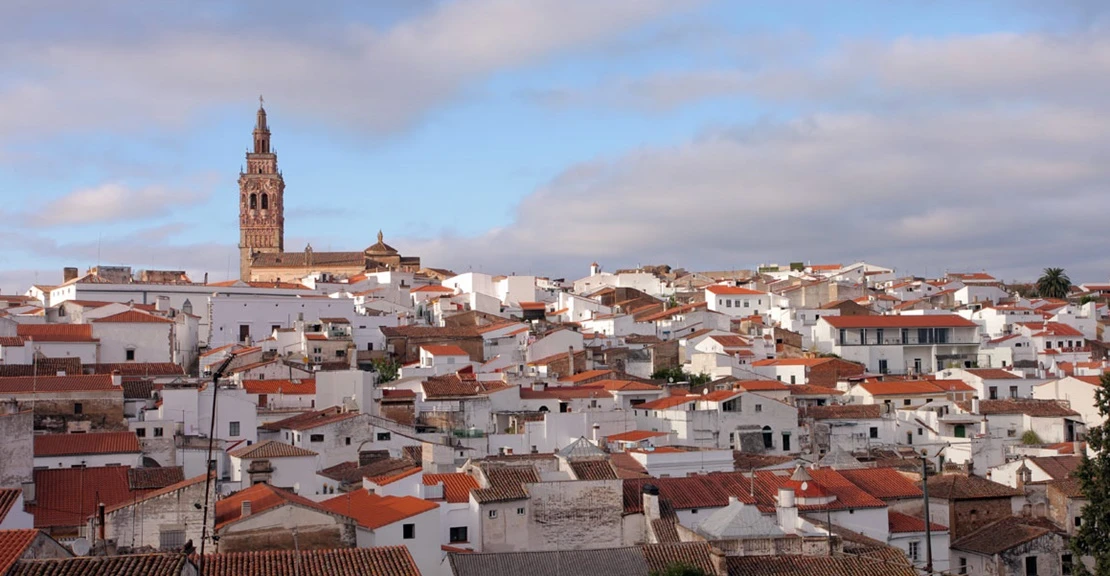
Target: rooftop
{"points": [[373, 511], [378, 561], [310, 420], [270, 449], [47, 445], [960, 487], [901, 321], [1004, 534]]}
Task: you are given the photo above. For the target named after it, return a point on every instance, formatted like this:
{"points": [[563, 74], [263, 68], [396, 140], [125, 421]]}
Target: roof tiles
{"points": [[373, 511], [48, 445], [456, 486], [379, 561], [270, 449]]}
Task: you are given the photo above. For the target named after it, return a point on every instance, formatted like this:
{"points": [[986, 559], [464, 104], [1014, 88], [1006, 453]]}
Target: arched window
{"points": [[254, 201], [768, 438], [265, 201]]}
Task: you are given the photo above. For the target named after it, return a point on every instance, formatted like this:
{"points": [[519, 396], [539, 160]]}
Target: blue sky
{"points": [[537, 136]]}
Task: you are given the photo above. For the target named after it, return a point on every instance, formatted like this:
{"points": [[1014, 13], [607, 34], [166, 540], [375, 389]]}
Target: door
{"points": [[917, 365], [244, 332]]}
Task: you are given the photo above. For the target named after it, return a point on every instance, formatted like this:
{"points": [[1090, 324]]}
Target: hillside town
{"points": [[358, 412]]}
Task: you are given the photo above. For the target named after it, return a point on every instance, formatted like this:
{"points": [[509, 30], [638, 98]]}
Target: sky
{"points": [[537, 136]]}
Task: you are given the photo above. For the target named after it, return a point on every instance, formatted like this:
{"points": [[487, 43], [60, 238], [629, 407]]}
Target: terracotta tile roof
{"points": [[992, 374], [812, 390], [159, 492], [373, 511], [668, 403], [848, 495], [129, 564], [456, 486], [137, 368], [1058, 467], [627, 561], [307, 386], [599, 469], [697, 555], [953, 385], [315, 337], [133, 317], [43, 366], [378, 561], [556, 357], [671, 312], [444, 350], [452, 386], [685, 493], [27, 384], [901, 321], [13, 341], [960, 487], [839, 411], [505, 483], [760, 385], [899, 523], [81, 444], [430, 331], [8, 498], [746, 461], [1028, 406], [13, 543], [1004, 534], [385, 479], [1070, 488], [310, 420], [352, 473], [262, 497], [730, 341], [587, 375], [270, 449], [882, 483], [626, 466], [154, 478], [56, 332], [67, 496], [634, 436], [901, 387], [433, 288], [563, 393], [733, 290], [840, 565], [623, 386]]}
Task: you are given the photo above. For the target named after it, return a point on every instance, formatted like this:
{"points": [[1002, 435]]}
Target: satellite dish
{"points": [[704, 391], [80, 547], [296, 487], [805, 486]]}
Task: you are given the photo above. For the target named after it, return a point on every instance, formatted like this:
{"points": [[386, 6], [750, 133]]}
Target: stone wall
{"points": [[967, 516], [303, 538], [100, 412], [138, 526], [16, 449], [559, 510]]}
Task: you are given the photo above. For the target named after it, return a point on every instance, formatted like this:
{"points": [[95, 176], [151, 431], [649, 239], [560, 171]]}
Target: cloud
{"points": [[110, 202], [356, 77], [1014, 190]]}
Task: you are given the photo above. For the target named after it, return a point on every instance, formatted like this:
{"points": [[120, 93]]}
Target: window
{"points": [[129, 354], [758, 407], [920, 431], [1030, 566], [520, 511], [1078, 521], [962, 565], [693, 510], [316, 438], [408, 531], [728, 303], [232, 428], [158, 432], [1065, 564], [492, 514], [78, 408], [274, 328], [383, 436], [347, 441], [1011, 433], [914, 551], [785, 441], [254, 201], [874, 432], [244, 332], [883, 366], [458, 534], [317, 350], [992, 392], [906, 402], [1013, 392], [768, 438], [171, 538], [731, 405], [140, 432], [265, 201], [747, 304], [793, 379]]}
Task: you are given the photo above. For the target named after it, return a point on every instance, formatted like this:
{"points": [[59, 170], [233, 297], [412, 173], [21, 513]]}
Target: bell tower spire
{"points": [[261, 199]]}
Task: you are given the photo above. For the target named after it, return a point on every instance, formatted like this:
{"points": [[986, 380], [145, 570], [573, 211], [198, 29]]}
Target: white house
{"points": [[394, 521], [275, 463], [736, 419], [736, 301], [91, 450], [916, 344], [1078, 392], [135, 336]]}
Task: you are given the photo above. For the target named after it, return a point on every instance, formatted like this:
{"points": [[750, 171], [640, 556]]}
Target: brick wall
{"points": [[967, 516]]}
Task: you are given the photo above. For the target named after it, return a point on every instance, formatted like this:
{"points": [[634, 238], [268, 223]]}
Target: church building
{"points": [[262, 255]]}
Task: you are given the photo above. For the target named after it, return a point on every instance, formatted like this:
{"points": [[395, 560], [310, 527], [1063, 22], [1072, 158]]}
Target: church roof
{"points": [[380, 247], [580, 448], [300, 259]]}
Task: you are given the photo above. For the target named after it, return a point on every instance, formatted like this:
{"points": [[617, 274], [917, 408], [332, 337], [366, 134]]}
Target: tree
{"points": [[680, 569], [1093, 537], [1054, 283], [677, 374], [387, 369]]}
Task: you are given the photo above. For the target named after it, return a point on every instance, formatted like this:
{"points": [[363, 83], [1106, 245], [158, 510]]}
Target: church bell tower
{"points": [[261, 200]]}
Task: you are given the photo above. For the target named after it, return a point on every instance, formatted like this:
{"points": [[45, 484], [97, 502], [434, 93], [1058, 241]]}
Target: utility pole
{"points": [[208, 461], [928, 529]]}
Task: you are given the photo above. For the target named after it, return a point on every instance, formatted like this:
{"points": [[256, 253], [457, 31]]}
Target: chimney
{"points": [[570, 360], [787, 512], [595, 433], [100, 521], [117, 378], [650, 495], [1077, 448], [538, 386], [206, 278], [244, 508], [29, 492], [162, 304], [733, 500], [974, 405], [69, 273], [352, 355]]}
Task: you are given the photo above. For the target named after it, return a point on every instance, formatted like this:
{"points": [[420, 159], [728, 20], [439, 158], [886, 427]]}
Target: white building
{"points": [[915, 344]]}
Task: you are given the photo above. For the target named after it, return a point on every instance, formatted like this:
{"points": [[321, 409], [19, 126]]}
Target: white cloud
{"points": [[110, 202]]}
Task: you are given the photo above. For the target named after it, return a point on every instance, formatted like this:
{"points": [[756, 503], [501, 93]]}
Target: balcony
{"points": [[260, 467]]}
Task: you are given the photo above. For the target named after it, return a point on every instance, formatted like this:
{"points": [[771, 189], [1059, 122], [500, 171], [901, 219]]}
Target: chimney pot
{"points": [[245, 508]]}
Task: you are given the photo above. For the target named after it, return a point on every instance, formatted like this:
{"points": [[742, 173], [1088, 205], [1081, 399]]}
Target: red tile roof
{"points": [[899, 523], [28, 384], [137, 368], [848, 495], [901, 388], [634, 436], [992, 374], [280, 386], [813, 390], [733, 290], [392, 477], [882, 483], [1031, 407], [56, 332], [960, 487], [67, 496], [444, 350], [310, 420], [587, 375], [165, 564], [761, 385], [8, 498], [270, 449], [13, 543], [701, 491], [378, 561], [433, 288], [262, 497], [894, 564], [456, 486], [13, 341], [506, 482], [622, 386], [80, 444], [953, 385], [902, 321], [597, 469], [844, 411], [373, 511], [668, 403], [1005, 534], [453, 386], [133, 316]]}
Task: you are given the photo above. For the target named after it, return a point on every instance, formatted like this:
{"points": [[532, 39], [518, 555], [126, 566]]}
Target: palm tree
{"points": [[1054, 283]]}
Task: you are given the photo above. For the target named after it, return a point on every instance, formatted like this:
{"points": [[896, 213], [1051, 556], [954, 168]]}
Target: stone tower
{"points": [[261, 200]]}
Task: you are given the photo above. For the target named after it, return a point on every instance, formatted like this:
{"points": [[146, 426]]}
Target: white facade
{"points": [[1078, 392], [135, 341], [295, 473]]}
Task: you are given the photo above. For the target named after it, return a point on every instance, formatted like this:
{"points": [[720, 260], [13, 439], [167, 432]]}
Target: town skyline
{"points": [[685, 133]]}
